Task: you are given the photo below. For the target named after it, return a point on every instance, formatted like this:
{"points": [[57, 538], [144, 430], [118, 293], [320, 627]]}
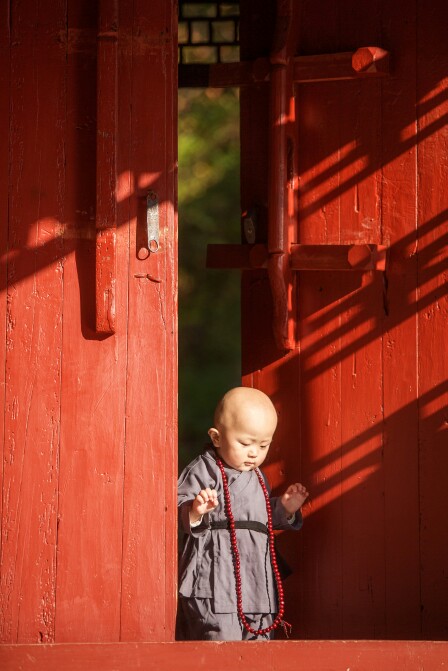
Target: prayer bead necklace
{"points": [[236, 557]]}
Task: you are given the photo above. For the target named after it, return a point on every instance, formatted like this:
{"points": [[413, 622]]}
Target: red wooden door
{"points": [[362, 394], [89, 466]]}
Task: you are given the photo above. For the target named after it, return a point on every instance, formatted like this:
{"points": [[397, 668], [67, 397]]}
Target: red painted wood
{"points": [[371, 59], [81, 558], [148, 574], [364, 62], [363, 608], [400, 354], [106, 165], [319, 597], [88, 476], [281, 143], [5, 57], [33, 292], [432, 306], [93, 379], [361, 398], [113, 479], [301, 257], [316, 655], [88, 460], [338, 257]]}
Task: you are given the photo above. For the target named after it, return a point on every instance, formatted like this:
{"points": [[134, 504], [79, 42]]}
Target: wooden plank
{"points": [[302, 257], [33, 325], [106, 165], [191, 656], [324, 175], [148, 573], [5, 67], [261, 360], [93, 381], [169, 447], [364, 62], [338, 257], [318, 582], [363, 607], [432, 265], [400, 427], [362, 483]]}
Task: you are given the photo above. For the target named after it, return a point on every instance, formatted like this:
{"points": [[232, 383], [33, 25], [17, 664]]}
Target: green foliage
{"points": [[209, 300]]}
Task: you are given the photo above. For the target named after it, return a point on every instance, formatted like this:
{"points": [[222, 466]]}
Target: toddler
{"points": [[229, 581]]}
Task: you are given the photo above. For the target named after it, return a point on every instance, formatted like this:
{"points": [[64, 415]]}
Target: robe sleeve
{"points": [[279, 516], [194, 478]]}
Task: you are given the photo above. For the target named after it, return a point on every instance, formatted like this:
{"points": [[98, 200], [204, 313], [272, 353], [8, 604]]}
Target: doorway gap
{"points": [[209, 300]]}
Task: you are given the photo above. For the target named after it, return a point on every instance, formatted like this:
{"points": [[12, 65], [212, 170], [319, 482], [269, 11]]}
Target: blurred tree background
{"points": [[209, 300]]}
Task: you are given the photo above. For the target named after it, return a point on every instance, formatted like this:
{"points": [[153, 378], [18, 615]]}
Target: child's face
{"points": [[244, 443]]}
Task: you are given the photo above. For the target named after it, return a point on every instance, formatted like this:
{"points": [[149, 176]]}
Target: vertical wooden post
{"points": [[432, 267], [32, 286], [279, 108], [106, 166]]}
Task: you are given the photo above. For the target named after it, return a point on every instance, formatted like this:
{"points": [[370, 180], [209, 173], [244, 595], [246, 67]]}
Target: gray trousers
{"points": [[196, 621]]}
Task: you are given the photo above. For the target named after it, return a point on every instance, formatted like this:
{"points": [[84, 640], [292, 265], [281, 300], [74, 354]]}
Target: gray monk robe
{"points": [[206, 566]]}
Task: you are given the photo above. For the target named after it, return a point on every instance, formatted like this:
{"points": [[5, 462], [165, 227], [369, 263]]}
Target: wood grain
{"points": [[400, 354], [432, 305], [191, 656], [362, 416], [93, 384], [33, 327], [148, 573]]}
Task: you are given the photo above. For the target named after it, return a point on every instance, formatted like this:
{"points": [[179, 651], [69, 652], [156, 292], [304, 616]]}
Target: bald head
{"points": [[244, 424], [244, 405]]}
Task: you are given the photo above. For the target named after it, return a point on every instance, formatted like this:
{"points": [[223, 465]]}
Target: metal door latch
{"points": [[151, 243]]}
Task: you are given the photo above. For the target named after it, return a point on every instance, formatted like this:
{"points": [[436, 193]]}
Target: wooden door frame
{"points": [[241, 656]]}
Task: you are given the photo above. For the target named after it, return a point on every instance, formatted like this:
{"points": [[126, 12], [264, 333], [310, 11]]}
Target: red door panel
{"points": [[361, 396], [88, 546]]}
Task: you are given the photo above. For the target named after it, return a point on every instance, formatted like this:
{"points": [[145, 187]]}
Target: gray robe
{"points": [[206, 567]]}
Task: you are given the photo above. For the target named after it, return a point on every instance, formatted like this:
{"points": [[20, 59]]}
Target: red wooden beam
{"points": [[365, 62], [302, 257], [338, 257], [106, 172], [279, 106], [241, 656]]}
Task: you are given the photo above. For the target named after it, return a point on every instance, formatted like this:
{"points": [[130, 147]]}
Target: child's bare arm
{"points": [[205, 502], [294, 497]]}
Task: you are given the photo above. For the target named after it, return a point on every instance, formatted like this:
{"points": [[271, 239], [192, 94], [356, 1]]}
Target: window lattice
{"points": [[208, 32]]}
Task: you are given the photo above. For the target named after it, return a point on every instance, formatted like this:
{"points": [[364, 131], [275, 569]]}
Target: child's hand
{"points": [[294, 497], [205, 501]]}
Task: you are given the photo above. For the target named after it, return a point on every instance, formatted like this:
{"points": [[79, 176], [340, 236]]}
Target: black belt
{"points": [[241, 524], [284, 569]]}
